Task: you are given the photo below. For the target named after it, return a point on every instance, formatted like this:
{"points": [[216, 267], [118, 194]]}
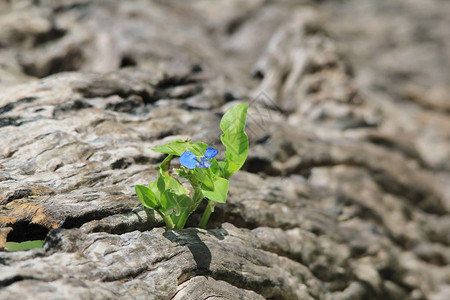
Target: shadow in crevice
{"points": [[200, 252], [25, 231]]}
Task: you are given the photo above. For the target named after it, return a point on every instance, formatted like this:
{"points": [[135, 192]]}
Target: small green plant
{"points": [[207, 176]]}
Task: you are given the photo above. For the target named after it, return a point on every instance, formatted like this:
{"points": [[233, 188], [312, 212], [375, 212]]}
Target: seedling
{"points": [[207, 176]]}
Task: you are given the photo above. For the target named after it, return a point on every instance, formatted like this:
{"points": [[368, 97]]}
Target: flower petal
{"points": [[188, 159], [204, 163], [210, 152]]}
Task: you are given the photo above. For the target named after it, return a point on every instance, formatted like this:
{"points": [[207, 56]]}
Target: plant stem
{"points": [[206, 214], [197, 198], [183, 219], [167, 220]]}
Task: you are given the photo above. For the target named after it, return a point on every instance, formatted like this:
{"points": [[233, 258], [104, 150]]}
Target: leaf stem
{"points": [[183, 218], [167, 220], [206, 214]]}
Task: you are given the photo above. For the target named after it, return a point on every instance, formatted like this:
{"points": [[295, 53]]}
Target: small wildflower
{"points": [[190, 161], [204, 163], [171, 199], [210, 153]]}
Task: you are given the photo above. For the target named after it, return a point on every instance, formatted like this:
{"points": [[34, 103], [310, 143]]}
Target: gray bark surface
{"points": [[345, 193]]}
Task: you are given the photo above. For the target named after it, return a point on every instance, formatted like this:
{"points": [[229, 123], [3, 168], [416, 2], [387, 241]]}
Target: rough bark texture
{"points": [[345, 194]]}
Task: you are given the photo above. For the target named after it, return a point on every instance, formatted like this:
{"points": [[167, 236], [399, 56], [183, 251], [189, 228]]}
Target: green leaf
{"points": [[173, 192], [158, 187], [215, 168], [175, 195], [190, 176], [161, 187], [153, 185], [165, 164], [179, 146], [222, 165], [177, 202], [234, 138], [220, 192], [171, 183], [205, 177], [146, 196], [27, 245]]}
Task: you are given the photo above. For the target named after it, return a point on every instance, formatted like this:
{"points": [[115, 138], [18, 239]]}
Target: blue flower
{"points": [[210, 153], [204, 163], [190, 161]]}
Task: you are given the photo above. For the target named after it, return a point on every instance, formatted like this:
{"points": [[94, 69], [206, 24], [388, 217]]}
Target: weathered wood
{"points": [[345, 192]]}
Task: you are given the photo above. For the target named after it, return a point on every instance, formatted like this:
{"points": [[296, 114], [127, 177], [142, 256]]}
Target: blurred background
{"points": [[396, 53], [338, 90]]}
